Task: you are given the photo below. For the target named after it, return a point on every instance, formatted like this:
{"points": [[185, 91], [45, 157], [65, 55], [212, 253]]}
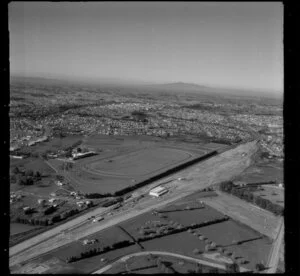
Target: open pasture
{"points": [[266, 171], [34, 164], [188, 217], [17, 228], [105, 238], [133, 226], [253, 246]]}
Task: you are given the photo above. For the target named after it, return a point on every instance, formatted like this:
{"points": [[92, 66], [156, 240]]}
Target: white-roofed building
{"points": [[158, 191]]}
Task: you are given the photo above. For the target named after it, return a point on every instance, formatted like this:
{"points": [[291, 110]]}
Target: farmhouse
{"points": [[158, 191]]}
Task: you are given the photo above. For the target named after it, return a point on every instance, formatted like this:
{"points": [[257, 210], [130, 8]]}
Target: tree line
{"points": [[25, 177]]}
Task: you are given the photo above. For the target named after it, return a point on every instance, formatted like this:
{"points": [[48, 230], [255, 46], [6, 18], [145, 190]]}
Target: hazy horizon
{"points": [[230, 45]]}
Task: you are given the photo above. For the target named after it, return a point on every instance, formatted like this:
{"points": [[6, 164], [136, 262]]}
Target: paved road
{"points": [[275, 250], [218, 168], [125, 258]]}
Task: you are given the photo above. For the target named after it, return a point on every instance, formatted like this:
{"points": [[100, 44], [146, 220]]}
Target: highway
{"points": [[213, 170]]}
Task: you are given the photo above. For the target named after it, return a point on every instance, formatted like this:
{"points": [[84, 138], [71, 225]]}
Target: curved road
{"points": [[125, 258]]}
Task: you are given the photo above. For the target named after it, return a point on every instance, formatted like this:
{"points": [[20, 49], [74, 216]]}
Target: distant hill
{"points": [[176, 86]]}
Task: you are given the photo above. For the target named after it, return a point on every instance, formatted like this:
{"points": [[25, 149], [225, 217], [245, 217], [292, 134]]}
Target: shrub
{"points": [[232, 268], [259, 267]]}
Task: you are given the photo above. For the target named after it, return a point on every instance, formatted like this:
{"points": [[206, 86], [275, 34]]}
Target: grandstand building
{"points": [[158, 191]]}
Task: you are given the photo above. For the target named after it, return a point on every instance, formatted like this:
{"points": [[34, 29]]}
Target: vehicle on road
{"points": [[98, 219]]}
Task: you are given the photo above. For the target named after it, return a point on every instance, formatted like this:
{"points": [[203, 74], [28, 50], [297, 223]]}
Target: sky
{"points": [[218, 44]]}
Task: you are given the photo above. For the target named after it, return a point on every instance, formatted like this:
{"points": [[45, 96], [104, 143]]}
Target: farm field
{"points": [[189, 217], [105, 238], [224, 234], [254, 249]]}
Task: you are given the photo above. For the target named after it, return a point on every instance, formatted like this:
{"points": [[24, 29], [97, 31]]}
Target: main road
{"points": [[201, 175]]}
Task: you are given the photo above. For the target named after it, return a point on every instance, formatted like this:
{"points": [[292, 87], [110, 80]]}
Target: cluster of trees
{"points": [[247, 195], [69, 149], [139, 116], [96, 195], [26, 177], [180, 229], [203, 269], [112, 202], [33, 221], [98, 251], [49, 210], [232, 268], [47, 221], [165, 267]]}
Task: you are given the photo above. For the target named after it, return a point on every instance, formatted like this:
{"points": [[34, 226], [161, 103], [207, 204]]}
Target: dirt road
{"points": [[275, 250], [218, 168]]}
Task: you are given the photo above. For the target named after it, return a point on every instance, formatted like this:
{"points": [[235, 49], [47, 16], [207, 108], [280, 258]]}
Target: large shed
{"points": [[158, 191]]}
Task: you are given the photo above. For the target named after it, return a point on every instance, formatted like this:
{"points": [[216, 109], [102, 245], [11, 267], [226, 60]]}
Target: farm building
{"points": [[41, 201], [158, 191], [58, 183]]}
